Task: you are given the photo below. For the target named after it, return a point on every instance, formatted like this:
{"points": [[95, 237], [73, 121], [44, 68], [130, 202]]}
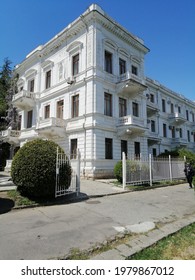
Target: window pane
{"points": [[135, 109], [108, 62], [107, 104], [48, 79], [75, 106], [47, 111], [108, 148], [122, 107], [60, 109], [122, 66], [73, 148], [75, 65], [29, 119]]}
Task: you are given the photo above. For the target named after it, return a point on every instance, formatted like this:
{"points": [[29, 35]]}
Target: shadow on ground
{"points": [[6, 205]]}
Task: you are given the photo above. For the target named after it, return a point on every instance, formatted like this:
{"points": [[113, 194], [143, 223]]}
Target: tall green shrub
{"points": [[34, 169]]}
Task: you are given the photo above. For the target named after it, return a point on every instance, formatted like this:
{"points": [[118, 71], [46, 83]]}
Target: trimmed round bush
{"points": [[33, 169]]}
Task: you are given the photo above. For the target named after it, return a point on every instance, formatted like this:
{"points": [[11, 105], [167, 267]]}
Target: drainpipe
{"points": [[84, 153]]}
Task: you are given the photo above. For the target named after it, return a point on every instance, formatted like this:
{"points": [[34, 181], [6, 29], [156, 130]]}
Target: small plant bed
{"points": [[179, 246]]}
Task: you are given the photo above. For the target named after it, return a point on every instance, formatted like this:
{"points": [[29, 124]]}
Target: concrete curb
{"points": [[143, 241]]}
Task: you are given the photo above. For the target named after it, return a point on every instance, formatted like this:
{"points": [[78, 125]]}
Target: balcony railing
{"points": [[131, 125], [177, 118], [130, 84], [24, 99], [10, 136], [51, 127]]}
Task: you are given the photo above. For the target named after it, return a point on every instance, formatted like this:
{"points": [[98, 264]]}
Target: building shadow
{"points": [[6, 205]]}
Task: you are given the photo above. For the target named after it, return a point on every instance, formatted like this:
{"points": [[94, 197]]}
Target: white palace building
{"points": [[86, 89]]}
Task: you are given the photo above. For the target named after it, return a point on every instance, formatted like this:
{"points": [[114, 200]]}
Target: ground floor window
{"points": [[124, 148], [108, 148], [137, 149], [73, 148], [29, 118]]}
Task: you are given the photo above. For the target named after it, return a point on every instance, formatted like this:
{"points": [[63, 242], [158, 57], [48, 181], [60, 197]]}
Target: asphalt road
{"points": [[50, 232]]}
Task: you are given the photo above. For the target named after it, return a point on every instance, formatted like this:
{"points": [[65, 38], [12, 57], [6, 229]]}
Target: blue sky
{"points": [[166, 26]]}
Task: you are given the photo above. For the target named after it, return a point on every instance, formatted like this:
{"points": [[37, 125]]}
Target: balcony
{"points": [[177, 118], [10, 136], [24, 100], [152, 108], [179, 142], [51, 128], [131, 125], [130, 85]]}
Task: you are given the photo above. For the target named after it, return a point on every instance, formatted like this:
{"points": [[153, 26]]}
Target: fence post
{"points": [[170, 169], [78, 172], [150, 168], [124, 170]]}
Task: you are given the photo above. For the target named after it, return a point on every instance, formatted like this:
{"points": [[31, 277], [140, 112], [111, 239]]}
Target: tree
{"points": [[5, 83]]}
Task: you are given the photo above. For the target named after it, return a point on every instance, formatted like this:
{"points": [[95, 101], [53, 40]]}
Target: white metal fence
{"points": [[149, 169], [61, 188]]}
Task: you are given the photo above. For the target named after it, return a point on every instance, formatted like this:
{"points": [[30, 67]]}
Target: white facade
{"points": [[86, 89]]}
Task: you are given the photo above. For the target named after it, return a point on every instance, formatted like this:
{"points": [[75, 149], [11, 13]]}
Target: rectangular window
{"points": [[48, 79], [134, 70], [19, 125], [75, 106], [152, 98], [172, 108], [31, 85], [122, 107], [75, 65], [73, 148], [173, 132], [180, 133], [29, 118], [108, 62], [47, 112], [179, 109], [153, 128], [107, 104], [163, 105], [122, 66], [135, 109], [164, 130], [154, 152], [187, 115], [137, 149], [188, 135], [108, 148], [60, 109], [192, 116], [124, 148]]}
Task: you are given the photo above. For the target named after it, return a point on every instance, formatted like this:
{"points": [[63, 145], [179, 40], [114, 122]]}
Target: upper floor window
{"points": [[47, 111], [31, 85], [187, 115], [172, 108], [75, 106], [163, 105], [134, 70], [48, 79], [122, 107], [188, 135], [135, 109], [180, 132], [122, 66], [173, 132], [108, 62], [60, 109], [192, 116], [151, 97], [29, 118], [75, 64], [179, 109], [153, 128], [107, 104], [164, 130]]}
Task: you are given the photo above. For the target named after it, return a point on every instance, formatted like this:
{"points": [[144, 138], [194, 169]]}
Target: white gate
{"points": [[63, 186]]}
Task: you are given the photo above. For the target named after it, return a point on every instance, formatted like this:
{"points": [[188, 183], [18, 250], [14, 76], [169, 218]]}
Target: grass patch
{"points": [[179, 246], [20, 200]]}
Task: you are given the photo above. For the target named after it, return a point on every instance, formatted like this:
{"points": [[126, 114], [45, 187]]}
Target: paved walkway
{"points": [[101, 188]]}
